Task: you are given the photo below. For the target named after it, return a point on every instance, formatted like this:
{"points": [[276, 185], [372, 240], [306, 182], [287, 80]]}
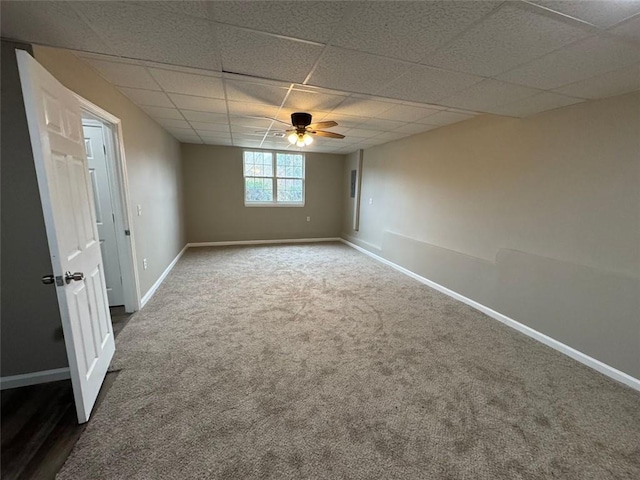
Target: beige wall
{"points": [[214, 199], [153, 164], [536, 218]]}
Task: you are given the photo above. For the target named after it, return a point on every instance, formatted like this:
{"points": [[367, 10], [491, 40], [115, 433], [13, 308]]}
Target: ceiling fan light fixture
{"points": [[308, 139], [293, 138]]}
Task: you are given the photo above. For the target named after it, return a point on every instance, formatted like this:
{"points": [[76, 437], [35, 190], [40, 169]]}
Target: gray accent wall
{"points": [[215, 207], [31, 330], [32, 338], [536, 218]]}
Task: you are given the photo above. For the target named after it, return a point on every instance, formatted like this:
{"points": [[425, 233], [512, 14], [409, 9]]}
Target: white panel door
{"points": [[105, 219], [55, 128]]}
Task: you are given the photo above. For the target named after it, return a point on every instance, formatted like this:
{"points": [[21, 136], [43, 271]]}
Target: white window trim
{"points": [[275, 179]]}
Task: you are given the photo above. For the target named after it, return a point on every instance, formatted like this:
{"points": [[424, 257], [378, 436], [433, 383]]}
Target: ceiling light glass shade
{"points": [[300, 142], [308, 139], [293, 138]]}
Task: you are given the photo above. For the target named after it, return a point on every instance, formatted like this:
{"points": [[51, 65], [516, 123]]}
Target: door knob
{"points": [[69, 277], [48, 279]]}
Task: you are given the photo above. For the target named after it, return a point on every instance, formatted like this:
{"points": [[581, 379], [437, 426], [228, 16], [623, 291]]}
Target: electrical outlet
{"points": [[139, 210], [308, 219], [144, 263]]}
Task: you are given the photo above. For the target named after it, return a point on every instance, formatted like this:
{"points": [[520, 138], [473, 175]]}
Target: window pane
{"points": [[258, 164], [258, 190], [289, 190], [290, 165]]}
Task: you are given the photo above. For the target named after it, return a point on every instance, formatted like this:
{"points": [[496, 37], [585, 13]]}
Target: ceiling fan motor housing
{"points": [[300, 119]]}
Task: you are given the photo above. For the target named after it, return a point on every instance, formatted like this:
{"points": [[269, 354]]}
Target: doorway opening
{"points": [[107, 170]]}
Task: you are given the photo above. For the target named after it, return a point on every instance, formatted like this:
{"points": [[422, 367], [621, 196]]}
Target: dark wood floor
{"points": [[39, 425]]}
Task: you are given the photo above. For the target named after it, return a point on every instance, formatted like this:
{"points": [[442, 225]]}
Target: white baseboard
{"points": [[26, 379], [147, 296], [264, 242], [541, 337]]}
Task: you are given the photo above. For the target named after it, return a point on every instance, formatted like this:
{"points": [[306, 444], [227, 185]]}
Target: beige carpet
{"points": [[316, 362]]}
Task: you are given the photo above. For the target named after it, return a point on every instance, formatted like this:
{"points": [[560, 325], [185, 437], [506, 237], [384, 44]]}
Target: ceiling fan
{"points": [[302, 129]]}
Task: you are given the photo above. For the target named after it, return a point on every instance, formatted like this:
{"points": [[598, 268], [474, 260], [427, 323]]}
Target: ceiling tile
{"points": [[508, 38], [162, 36], [173, 123], [415, 128], [406, 113], [187, 102], [445, 118], [535, 104], [124, 74], [177, 68], [251, 109], [408, 32], [247, 130], [362, 107], [601, 13], [107, 58], [380, 124], [218, 142], [160, 112], [260, 55], [362, 133], [39, 22], [353, 71], [424, 105], [188, 138], [487, 94], [207, 135], [250, 122], [210, 127], [247, 142], [255, 92], [577, 62], [147, 97], [398, 134], [305, 100], [617, 82], [312, 21], [428, 85], [204, 116], [275, 145], [191, 7], [180, 130], [629, 29], [188, 84]]}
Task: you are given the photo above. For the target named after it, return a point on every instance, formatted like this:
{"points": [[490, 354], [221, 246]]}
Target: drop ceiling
{"points": [[214, 72]]}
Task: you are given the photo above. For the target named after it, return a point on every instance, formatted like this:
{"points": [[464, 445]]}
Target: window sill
{"points": [[277, 205]]}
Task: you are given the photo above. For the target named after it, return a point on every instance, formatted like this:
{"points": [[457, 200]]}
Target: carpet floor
{"points": [[316, 362]]}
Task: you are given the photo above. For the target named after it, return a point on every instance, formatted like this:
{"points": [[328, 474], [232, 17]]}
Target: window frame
{"points": [[274, 179]]}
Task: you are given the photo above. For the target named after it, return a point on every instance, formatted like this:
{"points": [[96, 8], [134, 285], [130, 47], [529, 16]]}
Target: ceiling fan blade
{"points": [[322, 133], [328, 124]]}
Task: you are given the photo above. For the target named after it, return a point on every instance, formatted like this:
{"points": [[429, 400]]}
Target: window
{"points": [[269, 184]]}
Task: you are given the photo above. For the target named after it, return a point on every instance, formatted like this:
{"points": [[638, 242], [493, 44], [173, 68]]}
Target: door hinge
{"points": [[104, 149], [127, 233]]}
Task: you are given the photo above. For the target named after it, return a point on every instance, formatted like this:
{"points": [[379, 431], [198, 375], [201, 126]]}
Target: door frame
{"points": [[117, 168]]}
